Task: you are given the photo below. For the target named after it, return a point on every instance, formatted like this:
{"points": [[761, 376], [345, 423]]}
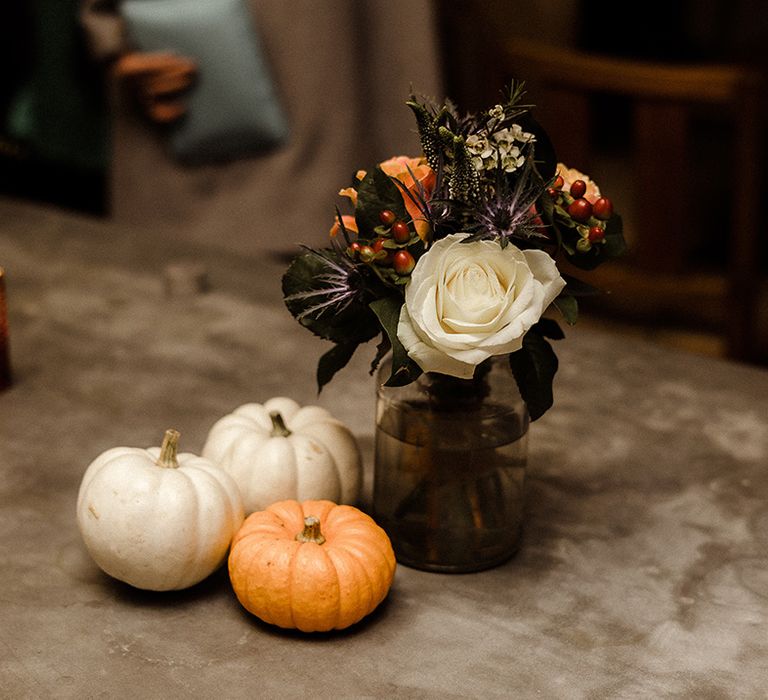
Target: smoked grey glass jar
{"points": [[449, 471]]}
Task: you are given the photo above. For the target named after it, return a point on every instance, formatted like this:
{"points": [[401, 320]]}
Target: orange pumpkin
{"points": [[313, 566]]}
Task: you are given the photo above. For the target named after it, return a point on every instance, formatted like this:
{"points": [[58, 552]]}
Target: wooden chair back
{"points": [[663, 98]]}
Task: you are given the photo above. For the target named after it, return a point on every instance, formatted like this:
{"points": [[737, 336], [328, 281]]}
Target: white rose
{"points": [[466, 302]]}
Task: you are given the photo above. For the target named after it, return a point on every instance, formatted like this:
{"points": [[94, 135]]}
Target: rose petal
{"points": [[427, 357], [546, 272]]}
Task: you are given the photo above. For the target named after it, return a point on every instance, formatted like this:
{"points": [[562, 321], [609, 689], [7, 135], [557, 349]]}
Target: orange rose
{"points": [[349, 223], [398, 167], [350, 192]]}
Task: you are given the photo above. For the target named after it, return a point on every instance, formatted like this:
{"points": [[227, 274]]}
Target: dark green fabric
{"points": [[58, 111], [233, 107]]}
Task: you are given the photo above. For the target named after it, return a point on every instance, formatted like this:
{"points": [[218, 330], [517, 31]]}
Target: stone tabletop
{"points": [[643, 571]]}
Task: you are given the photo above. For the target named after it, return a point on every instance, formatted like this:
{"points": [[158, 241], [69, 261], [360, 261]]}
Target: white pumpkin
{"points": [[156, 519], [281, 450]]}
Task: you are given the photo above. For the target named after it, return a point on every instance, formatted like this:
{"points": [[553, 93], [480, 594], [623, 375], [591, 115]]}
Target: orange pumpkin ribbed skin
{"points": [[304, 585]]}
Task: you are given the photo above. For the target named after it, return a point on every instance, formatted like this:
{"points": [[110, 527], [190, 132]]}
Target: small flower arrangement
{"points": [[451, 257]]}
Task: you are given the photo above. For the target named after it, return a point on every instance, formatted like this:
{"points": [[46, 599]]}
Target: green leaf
{"points": [[549, 328], [568, 307], [332, 361], [578, 288], [615, 246], [546, 206], [375, 193], [356, 323], [404, 369], [382, 349], [534, 367]]}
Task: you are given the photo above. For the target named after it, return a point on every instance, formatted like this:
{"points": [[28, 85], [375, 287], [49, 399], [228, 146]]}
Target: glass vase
{"points": [[449, 474]]}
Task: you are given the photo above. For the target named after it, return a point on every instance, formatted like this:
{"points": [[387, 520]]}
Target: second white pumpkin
{"points": [[280, 450]]}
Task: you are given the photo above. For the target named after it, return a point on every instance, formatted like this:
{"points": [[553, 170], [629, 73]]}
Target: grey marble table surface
{"points": [[643, 571]]}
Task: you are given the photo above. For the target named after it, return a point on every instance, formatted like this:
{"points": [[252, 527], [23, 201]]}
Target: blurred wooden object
{"points": [[5, 357], [662, 99]]}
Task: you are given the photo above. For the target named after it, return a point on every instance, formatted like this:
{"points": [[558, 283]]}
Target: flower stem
{"points": [[311, 531], [168, 450]]}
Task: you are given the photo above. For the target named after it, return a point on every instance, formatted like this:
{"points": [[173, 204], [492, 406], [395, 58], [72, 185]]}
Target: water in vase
{"points": [[448, 485]]}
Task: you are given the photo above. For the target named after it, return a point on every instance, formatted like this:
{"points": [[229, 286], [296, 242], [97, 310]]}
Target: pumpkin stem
{"points": [[168, 449], [279, 429], [311, 531]]}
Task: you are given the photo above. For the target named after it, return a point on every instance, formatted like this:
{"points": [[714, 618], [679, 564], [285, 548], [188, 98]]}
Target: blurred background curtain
{"points": [[54, 135]]}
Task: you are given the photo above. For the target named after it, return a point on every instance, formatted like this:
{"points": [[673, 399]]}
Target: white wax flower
{"points": [[466, 302], [502, 146], [496, 113], [483, 153], [512, 159]]}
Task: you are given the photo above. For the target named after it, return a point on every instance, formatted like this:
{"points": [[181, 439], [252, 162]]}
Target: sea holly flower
{"points": [[466, 302], [511, 211], [336, 284]]}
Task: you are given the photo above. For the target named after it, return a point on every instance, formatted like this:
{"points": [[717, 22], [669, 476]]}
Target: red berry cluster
{"points": [[400, 259], [590, 215]]}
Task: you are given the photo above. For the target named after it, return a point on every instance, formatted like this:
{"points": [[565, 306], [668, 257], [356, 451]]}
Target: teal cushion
{"points": [[234, 110]]}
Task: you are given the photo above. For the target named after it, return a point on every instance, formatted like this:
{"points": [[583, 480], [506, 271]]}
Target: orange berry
{"points": [[400, 232], [578, 189], [580, 209], [596, 233], [403, 262], [387, 217], [603, 208]]}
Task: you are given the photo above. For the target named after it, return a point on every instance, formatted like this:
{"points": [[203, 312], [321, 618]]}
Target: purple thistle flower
{"points": [[506, 215], [334, 290]]}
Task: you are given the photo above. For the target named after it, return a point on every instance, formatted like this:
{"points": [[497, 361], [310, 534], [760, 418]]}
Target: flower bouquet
{"points": [[450, 259]]}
